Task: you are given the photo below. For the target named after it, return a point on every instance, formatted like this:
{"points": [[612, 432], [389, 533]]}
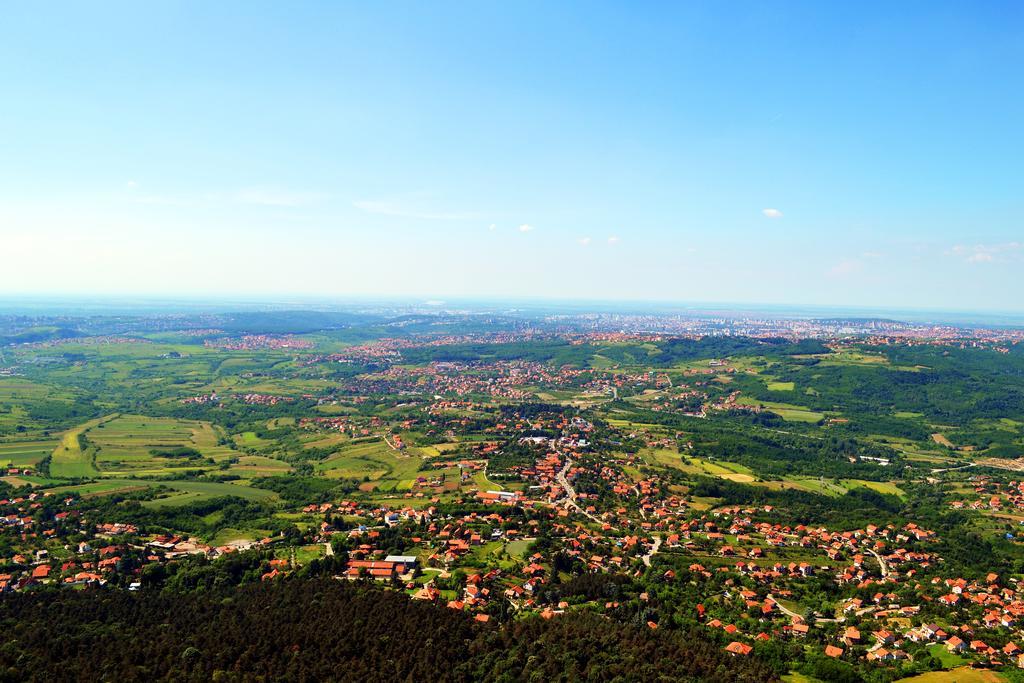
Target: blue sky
{"points": [[793, 153]]}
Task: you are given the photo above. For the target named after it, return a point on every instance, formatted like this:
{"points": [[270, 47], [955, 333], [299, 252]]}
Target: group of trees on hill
{"points": [[324, 630]]}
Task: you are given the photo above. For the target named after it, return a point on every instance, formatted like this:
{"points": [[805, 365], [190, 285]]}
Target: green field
{"points": [[258, 466], [692, 465], [69, 460], [20, 397], [184, 492], [787, 411], [104, 487], [125, 445], [963, 674], [838, 487], [374, 461], [949, 659], [196, 491], [22, 454]]}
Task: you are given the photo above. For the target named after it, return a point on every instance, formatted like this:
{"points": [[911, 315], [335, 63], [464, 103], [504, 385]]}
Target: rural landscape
{"points": [[806, 506], [512, 342]]}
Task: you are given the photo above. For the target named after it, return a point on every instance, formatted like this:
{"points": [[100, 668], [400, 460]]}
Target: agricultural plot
{"points": [[963, 674], [437, 450], [135, 445], [788, 412], [839, 487], [851, 357], [723, 470], [251, 440], [28, 408], [295, 386], [382, 468], [485, 484], [739, 473], [146, 446], [259, 466], [102, 488], [196, 491], [182, 492], [25, 454], [324, 440], [74, 457]]}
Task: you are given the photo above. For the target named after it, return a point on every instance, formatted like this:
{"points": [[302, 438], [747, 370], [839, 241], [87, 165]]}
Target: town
{"points": [[736, 485]]}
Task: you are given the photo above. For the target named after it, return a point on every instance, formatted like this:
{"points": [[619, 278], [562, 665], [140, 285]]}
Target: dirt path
{"points": [[652, 552], [881, 563], [570, 492]]}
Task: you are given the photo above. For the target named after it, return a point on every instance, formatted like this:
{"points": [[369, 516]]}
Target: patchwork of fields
{"points": [[382, 468], [133, 452], [25, 454]]}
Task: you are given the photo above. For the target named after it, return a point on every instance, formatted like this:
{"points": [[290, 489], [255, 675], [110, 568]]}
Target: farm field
{"points": [[130, 445], [787, 411], [25, 454], [378, 464], [196, 491], [693, 465], [963, 674], [258, 466], [183, 491], [21, 398], [104, 487], [70, 459], [838, 487]]}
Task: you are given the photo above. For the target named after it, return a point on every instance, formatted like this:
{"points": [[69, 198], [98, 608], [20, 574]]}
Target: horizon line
{"points": [[441, 301]]}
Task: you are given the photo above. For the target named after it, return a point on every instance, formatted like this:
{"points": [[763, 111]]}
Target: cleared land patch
{"points": [[375, 462], [787, 411], [25, 454], [69, 458], [138, 445]]}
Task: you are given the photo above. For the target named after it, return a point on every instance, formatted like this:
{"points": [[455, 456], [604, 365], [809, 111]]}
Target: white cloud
{"points": [[846, 268], [987, 253], [772, 213], [613, 240], [492, 227], [388, 208], [584, 241], [131, 185], [525, 227]]}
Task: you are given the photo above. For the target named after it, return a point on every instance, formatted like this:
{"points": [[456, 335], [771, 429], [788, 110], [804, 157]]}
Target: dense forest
{"points": [[323, 630]]}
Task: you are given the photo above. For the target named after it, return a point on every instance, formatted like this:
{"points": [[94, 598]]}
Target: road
{"points": [[790, 613], [570, 492], [954, 469], [652, 552], [881, 563], [785, 610]]}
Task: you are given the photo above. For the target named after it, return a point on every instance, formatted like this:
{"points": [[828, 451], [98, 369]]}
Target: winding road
{"points": [[881, 563], [570, 492], [652, 552]]}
